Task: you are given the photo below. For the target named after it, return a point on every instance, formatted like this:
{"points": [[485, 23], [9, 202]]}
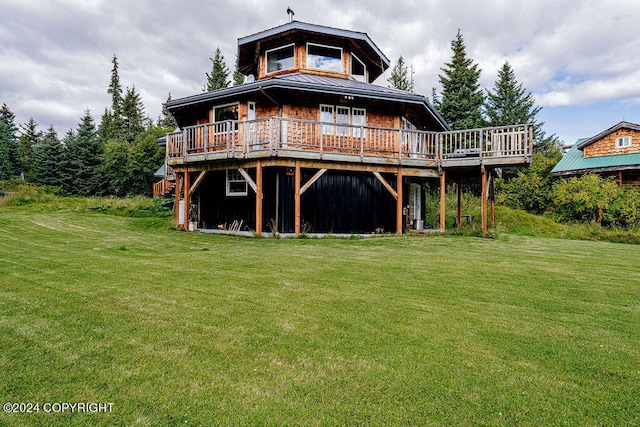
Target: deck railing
{"points": [[244, 139]]}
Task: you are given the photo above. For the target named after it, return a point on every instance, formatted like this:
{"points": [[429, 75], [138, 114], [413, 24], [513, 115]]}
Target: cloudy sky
{"points": [[578, 57]]}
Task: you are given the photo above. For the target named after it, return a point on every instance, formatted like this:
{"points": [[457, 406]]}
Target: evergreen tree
{"points": [[115, 89], [400, 78], [219, 77], [27, 141], [145, 157], [48, 159], [510, 104], [10, 162], [133, 118], [462, 99], [238, 77], [113, 172], [166, 120], [84, 153]]}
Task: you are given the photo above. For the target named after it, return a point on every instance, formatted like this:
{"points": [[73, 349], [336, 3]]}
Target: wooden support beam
{"points": [[297, 199], [459, 216], [197, 182], [312, 180], [399, 222], [388, 186], [259, 198], [248, 178], [443, 189], [483, 199], [187, 198], [492, 198], [176, 204]]}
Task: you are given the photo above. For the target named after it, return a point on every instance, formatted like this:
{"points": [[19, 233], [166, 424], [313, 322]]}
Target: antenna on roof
{"points": [[290, 13]]}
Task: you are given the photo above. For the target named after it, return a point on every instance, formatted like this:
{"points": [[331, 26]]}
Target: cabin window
{"points": [[358, 69], [344, 115], [225, 112], [324, 57], [358, 118], [326, 116], [236, 184], [280, 58], [623, 142]]}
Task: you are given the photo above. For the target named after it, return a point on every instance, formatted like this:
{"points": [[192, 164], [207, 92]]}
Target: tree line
{"points": [[116, 157]]}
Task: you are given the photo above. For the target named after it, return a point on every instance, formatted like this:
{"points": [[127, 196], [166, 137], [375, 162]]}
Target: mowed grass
{"points": [[179, 328]]}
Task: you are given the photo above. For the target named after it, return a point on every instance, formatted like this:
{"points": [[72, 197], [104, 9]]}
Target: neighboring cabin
{"points": [[310, 144], [614, 152]]}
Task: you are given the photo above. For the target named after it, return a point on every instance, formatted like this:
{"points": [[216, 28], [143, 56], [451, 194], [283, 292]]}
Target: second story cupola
{"points": [[299, 47]]}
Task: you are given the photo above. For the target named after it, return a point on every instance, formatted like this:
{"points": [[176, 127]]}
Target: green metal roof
{"points": [[574, 162]]}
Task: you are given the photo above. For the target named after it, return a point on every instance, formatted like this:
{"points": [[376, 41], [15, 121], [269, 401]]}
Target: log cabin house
{"points": [[308, 143], [614, 152]]}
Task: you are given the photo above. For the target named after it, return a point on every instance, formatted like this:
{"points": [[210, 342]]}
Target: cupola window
{"points": [[280, 58], [324, 57]]}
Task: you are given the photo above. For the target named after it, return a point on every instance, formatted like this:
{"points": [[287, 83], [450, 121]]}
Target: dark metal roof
{"points": [[314, 84]]}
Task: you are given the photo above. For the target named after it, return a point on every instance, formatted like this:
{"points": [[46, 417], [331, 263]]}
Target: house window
{"points": [[358, 69], [623, 142], [324, 57], [342, 117], [225, 112], [326, 116], [358, 118], [236, 184], [280, 58]]}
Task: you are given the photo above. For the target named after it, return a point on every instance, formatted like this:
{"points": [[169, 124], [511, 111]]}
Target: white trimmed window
{"points": [[358, 69], [323, 57], [623, 142], [281, 58], [236, 184], [358, 118], [342, 117], [326, 116]]}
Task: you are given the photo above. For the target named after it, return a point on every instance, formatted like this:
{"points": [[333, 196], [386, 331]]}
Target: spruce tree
{"points": [[113, 174], [461, 100], [509, 103], [166, 120], [48, 159], [84, 155], [238, 77], [10, 162], [400, 78], [133, 117], [219, 77], [27, 141], [145, 157]]}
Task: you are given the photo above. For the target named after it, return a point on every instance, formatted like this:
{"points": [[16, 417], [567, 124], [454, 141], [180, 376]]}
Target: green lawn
{"points": [[178, 328]]}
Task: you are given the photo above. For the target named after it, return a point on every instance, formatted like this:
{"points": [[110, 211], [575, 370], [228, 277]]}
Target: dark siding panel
{"points": [[216, 208]]}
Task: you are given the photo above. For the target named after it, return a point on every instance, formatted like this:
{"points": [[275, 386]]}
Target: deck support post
{"points": [[492, 198], [259, 198], [443, 195], [186, 185], [297, 198], [176, 204], [483, 199], [399, 202], [459, 194]]}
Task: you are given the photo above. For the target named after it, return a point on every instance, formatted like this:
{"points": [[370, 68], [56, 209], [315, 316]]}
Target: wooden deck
{"points": [[341, 143]]}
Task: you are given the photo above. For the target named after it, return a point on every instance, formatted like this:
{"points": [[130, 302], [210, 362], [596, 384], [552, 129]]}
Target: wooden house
{"points": [[614, 152], [308, 143]]}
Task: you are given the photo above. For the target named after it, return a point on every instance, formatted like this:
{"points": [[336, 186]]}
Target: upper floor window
{"points": [[324, 57], [280, 58], [225, 112], [358, 69], [623, 141]]}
